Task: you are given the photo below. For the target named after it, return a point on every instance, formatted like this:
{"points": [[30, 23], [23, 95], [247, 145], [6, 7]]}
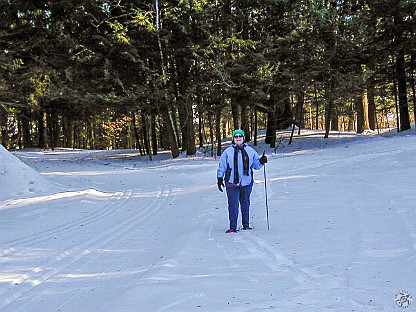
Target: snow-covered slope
{"points": [[17, 179]]}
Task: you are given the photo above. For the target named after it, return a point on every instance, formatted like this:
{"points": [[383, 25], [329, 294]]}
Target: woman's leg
{"points": [[245, 192], [233, 194]]}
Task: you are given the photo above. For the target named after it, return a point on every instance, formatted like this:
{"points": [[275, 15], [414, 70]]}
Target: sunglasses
{"points": [[238, 136]]}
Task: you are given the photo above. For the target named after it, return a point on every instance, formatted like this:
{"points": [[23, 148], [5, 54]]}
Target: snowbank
{"points": [[19, 180]]}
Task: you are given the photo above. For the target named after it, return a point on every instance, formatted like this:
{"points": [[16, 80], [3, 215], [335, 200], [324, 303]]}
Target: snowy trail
{"points": [[367, 240], [102, 234], [153, 238]]}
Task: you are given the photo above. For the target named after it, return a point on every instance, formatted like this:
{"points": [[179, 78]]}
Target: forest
{"points": [[180, 74]]}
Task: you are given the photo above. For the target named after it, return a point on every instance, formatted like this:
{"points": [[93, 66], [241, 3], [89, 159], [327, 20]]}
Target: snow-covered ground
{"points": [[111, 231]]}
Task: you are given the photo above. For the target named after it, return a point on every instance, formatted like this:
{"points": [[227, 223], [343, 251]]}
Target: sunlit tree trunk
{"points": [[412, 84]]}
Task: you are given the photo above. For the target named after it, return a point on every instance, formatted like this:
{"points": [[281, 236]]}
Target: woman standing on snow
{"points": [[236, 169]]}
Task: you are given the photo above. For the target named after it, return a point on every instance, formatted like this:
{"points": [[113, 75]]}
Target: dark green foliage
{"points": [[69, 67]]}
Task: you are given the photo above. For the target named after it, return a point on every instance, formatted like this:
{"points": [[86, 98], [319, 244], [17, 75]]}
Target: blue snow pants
{"points": [[239, 196]]}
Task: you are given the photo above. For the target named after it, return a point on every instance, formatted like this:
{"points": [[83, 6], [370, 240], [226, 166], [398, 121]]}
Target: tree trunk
{"points": [[69, 126], [334, 120], [245, 126], [301, 113], [51, 132], [244, 117], [329, 107], [191, 148], [64, 131], [351, 124], [170, 136], [396, 104], [153, 133], [300, 98], [41, 130], [53, 127], [401, 84], [315, 99], [172, 116], [271, 130], [91, 138], [4, 126], [187, 128], [169, 122], [136, 133], [299, 109], [371, 108], [284, 116], [145, 135], [218, 129], [359, 107], [162, 130], [235, 112], [412, 84], [182, 125], [350, 121], [328, 117], [211, 133], [365, 109], [200, 128], [255, 126], [26, 121]]}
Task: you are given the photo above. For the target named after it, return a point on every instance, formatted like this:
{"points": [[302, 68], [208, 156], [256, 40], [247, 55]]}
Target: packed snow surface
{"points": [[112, 231]]}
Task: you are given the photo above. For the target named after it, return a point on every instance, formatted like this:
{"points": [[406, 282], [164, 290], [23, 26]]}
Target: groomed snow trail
{"points": [[342, 236]]}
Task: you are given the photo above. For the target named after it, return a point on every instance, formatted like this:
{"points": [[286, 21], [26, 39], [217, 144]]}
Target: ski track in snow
{"points": [[60, 260], [309, 282], [116, 200]]}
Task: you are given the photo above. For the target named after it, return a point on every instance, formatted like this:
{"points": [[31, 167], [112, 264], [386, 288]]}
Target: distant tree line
{"points": [[181, 74]]}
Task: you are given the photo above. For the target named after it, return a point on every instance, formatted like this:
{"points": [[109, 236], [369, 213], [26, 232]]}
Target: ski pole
{"points": [[265, 191]]}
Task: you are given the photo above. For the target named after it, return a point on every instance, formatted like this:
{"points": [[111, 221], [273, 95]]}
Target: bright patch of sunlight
{"points": [[39, 199]]}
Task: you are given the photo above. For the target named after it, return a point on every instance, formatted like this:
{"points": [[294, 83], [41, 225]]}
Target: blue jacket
{"points": [[227, 161]]}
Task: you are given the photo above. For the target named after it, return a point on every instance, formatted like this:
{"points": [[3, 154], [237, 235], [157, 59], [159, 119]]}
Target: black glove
{"points": [[263, 159], [220, 184]]}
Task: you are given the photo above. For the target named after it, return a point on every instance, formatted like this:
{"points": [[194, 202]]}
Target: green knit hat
{"points": [[239, 131]]}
